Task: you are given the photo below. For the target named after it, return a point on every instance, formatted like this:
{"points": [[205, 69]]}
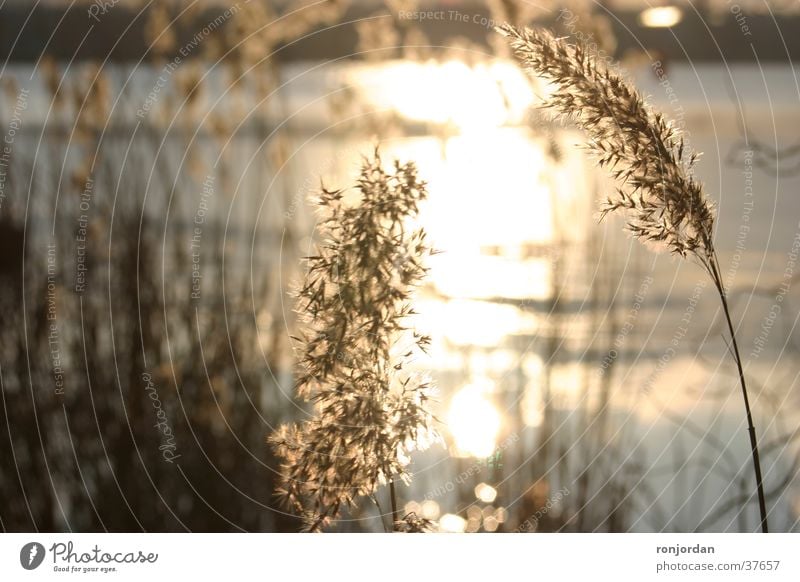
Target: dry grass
{"points": [[369, 412], [656, 192]]}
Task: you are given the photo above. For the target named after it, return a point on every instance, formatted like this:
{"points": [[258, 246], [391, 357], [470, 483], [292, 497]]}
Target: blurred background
{"points": [[157, 164]]}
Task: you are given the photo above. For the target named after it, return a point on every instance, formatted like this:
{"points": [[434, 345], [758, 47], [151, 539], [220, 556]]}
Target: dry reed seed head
{"points": [[412, 523], [644, 153], [369, 411]]}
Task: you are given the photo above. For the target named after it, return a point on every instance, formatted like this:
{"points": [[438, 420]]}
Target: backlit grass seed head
{"points": [[369, 411], [647, 157], [644, 153]]}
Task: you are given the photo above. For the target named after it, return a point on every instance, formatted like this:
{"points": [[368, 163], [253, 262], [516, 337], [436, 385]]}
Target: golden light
{"points": [[474, 518], [465, 322], [474, 513], [412, 507], [531, 405], [490, 524], [661, 17], [494, 230], [452, 523], [485, 493], [429, 509], [473, 421], [470, 98]]}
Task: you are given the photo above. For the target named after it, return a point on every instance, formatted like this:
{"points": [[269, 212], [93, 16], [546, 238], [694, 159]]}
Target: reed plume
{"points": [[370, 412], [656, 191]]}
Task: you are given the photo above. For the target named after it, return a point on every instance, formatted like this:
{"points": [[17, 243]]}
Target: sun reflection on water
{"points": [[468, 97], [490, 214], [473, 421]]}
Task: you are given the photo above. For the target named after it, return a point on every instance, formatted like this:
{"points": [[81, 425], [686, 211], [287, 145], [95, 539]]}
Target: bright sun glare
{"points": [[470, 98], [473, 421], [493, 229]]}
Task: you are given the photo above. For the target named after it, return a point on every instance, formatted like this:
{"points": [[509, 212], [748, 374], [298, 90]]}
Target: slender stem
{"points": [[395, 516], [380, 512], [762, 504]]}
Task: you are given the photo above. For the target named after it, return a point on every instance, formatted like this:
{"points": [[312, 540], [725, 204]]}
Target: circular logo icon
{"points": [[31, 555]]}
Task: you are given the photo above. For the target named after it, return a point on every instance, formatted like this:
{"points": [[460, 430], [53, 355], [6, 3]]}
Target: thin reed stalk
{"points": [[395, 514], [751, 430]]}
